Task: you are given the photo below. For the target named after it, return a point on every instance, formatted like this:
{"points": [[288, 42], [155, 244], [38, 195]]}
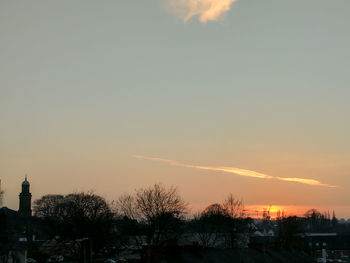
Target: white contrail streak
{"points": [[238, 171], [206, 10]]}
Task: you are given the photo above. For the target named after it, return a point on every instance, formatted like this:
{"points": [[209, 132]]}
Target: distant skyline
{"points": [[262, 86]]}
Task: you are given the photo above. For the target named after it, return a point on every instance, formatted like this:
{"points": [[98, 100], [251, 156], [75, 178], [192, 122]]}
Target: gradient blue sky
{"points": [[85, 85]]}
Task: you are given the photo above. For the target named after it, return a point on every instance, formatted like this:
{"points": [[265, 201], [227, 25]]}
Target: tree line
{"points": [[157, 217]]}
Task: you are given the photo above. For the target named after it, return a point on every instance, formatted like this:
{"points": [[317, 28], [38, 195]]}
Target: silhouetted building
{"points": [[25, 200]]}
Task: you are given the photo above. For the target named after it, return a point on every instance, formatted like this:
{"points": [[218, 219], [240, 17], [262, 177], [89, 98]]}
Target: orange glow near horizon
{"points": [[240, 172], [257, 211]]}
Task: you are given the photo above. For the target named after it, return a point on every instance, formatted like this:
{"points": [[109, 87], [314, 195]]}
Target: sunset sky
{"points": [[248, 97]]}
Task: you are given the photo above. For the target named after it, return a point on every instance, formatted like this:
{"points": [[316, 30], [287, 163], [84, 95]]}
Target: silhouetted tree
{"points": [[233, 207], [77, 216], [47, 206], [318, 221], [221, 222], [334, 220], [159, 211], [210, 225], [157, 208], [1, 195], [236, 225], [288, 230]]}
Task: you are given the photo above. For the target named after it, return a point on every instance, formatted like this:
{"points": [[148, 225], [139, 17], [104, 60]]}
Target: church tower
{"points": [[25, 200]]}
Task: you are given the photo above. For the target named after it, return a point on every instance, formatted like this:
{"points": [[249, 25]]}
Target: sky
{"points": [[257, 87]]}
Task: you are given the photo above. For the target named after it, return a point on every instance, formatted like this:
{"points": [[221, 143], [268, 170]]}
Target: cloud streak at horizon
{"points": [[206, 10], [238, 171]]}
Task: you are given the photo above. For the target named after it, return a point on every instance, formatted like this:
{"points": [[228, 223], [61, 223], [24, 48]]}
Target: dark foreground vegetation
{"points": [[153, 225]]}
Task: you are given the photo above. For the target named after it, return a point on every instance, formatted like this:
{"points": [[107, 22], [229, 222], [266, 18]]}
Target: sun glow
{"points": [[272, 211]]}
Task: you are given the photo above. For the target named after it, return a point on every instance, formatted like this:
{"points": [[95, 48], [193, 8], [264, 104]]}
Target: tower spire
{"points": [[25, 198]]}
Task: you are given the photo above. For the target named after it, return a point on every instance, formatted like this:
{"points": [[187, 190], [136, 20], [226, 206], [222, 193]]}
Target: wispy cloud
{"points": [[206, 10], [238, 171]]}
